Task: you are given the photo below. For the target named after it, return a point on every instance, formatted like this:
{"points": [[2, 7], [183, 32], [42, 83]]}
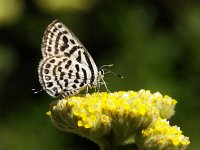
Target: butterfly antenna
{"points": [[108, 71], [37, 91], [106, 66]]}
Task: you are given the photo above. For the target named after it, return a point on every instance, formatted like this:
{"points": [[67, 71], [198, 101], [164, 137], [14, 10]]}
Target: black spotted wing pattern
{"points": [[66, 67]]}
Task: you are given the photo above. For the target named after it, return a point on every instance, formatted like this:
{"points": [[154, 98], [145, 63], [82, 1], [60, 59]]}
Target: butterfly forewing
{"points": [[59, 40], [66, 67]]}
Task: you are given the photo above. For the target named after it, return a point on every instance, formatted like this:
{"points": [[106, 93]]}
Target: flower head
{"points": [[110, 119], [160, 135]]}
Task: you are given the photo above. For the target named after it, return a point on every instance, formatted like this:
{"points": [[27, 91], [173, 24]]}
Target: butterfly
{"points": [[67, 67]]}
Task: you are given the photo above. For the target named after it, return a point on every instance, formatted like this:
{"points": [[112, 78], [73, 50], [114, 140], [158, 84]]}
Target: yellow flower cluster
{"points": [[120, 115], [162, 136]]}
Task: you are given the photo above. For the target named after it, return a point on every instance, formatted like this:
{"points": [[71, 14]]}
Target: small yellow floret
{"points": [[48, 113], [80, 123], [105, 119]]}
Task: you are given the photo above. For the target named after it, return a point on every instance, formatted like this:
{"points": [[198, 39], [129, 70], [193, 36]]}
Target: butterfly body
{"points": [[66, 67]]}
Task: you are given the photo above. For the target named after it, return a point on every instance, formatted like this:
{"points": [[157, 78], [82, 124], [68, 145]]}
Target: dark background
{"points": [[154, 44]]}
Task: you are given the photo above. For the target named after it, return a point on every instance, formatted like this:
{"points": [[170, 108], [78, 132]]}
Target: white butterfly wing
{"points": [[62, 76], [61, 48]]}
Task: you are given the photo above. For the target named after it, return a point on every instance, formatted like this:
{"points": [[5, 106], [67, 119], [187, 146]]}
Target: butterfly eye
{"points": [[101, 72]]}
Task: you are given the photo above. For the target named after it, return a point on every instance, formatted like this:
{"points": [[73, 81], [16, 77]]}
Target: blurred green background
{"points": [[154, 44]]}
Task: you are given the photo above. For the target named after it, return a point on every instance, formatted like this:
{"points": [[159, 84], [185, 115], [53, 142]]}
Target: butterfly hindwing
{"points": [[63, 76]]}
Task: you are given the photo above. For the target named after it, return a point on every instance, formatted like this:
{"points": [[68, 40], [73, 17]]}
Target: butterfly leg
{"points": [[104, 83], [95, 90], [86, 89], [98, 87]]}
